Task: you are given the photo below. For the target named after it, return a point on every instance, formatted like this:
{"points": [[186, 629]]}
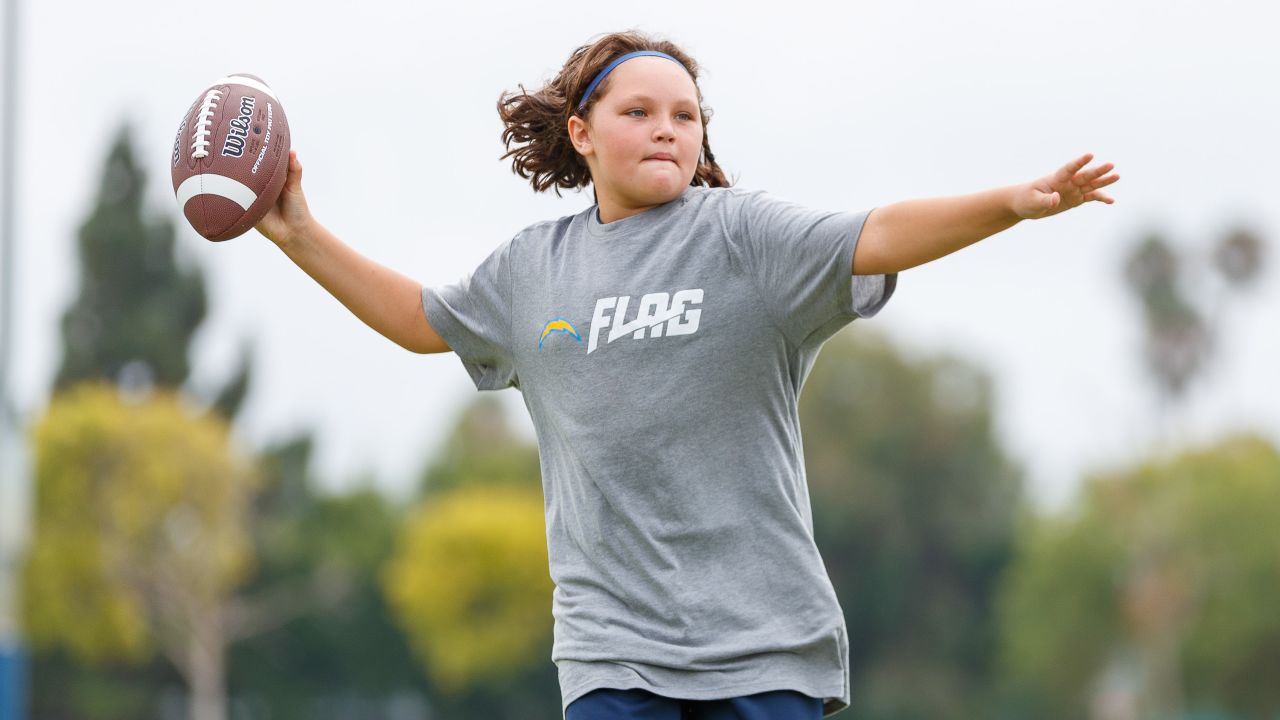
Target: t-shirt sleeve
{"points": [[802, 259], [473, 316]]}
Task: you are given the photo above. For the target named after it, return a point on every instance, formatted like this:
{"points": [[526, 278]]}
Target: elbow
{"points": [[418, 346], [424, 343]]}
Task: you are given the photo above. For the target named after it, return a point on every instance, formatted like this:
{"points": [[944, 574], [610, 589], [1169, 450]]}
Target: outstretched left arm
{"points": [[913, 232]]}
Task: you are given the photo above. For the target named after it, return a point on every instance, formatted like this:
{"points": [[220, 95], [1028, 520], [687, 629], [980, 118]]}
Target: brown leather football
{"points": [[230, 157]]}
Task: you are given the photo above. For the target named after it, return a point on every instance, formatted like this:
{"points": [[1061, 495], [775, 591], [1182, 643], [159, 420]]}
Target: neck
{"points": [[612, 208]]}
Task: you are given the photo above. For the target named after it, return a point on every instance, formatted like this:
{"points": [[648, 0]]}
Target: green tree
{"points": [[469, 581], [314, 664], [1159, 585], [914, 504], [137, 309], [1171, 292], [135, 305], [142, 534], [481, 449]]}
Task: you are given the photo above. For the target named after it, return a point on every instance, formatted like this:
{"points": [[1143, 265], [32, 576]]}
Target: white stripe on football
{"points": [[247, 82], [210, 184]]}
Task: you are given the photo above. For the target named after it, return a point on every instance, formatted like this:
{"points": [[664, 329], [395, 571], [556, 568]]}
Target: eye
{"points": [[637, 110], [685, 116]]}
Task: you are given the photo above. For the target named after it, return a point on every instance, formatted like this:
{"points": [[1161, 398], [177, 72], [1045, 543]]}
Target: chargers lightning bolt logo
{"points": [[659, 314], [559, 325]]}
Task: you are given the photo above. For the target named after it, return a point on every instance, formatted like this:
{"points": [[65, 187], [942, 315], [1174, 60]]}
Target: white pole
{"points": [[14, 506]]}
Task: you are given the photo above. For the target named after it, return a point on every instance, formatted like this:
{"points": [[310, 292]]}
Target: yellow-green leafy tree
{"points": [[468, 581], [141, 534], [470, 585]]}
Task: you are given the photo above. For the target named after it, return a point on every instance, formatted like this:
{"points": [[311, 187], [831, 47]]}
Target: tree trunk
{"points": [[207, 654]]}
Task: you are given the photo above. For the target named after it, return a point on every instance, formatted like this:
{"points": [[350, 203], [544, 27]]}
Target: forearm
{"points": [[914, 232], [382, 298]]}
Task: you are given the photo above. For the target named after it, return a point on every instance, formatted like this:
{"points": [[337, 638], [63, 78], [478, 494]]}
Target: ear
{"points": [[579, 136]]}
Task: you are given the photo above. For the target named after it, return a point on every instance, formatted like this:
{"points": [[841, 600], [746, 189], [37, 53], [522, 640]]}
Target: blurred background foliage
{"points": [[174, 574], [141, 533], [914, 503], [469, 585], [1161, 581]]}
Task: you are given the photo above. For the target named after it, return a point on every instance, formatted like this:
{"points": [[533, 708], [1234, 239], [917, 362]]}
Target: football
{"points": [[230, 156]]}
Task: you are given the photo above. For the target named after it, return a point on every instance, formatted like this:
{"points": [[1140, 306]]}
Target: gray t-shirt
{"points": [[661, 357]]}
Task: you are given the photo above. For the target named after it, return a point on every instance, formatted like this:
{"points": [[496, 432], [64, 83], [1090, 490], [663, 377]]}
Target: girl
{"points": [[660, 339]]}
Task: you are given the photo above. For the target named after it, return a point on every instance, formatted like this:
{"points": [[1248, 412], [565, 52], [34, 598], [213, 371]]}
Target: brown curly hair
{"points": [[537, 124]]}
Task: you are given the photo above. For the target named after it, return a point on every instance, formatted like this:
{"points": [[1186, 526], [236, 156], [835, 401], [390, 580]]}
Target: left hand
{"points": [[1067, 188]]}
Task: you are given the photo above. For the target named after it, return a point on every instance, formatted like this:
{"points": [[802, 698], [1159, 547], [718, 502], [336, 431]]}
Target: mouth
{"points": [[661, 156]]}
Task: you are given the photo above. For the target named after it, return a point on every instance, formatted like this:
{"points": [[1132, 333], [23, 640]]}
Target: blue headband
{"points": [[609, 68]]}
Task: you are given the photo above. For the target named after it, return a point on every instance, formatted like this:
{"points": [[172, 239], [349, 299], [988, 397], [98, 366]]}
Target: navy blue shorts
{"points": [[610, 704]]}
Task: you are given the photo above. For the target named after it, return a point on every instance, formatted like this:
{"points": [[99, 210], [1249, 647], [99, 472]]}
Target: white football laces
{"points": [[200, 142]]}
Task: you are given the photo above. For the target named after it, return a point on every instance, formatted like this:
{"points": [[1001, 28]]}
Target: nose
{"points": [[664, 130]]}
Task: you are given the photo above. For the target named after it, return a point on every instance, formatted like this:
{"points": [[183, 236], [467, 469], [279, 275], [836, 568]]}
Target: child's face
{"points": [[650, 108]]}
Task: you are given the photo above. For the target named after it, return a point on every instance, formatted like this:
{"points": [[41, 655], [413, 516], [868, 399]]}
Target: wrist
{"points": [[297, 237], [1016, 199]]}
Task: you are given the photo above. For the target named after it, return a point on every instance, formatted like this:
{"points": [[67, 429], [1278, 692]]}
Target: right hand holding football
{"points": [[289, 218]]}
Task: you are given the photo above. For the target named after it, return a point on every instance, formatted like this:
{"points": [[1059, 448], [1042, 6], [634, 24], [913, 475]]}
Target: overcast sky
{"points": [[834, 105]]}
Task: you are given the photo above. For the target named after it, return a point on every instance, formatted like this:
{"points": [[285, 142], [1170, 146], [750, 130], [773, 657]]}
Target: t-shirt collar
{"points": [[635, 222]]}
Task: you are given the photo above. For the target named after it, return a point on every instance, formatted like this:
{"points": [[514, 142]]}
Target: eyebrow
{"points": [[641, 97]]}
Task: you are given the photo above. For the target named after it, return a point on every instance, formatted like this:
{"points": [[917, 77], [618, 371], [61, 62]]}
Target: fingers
{"points": [[294, 179], [1092, 179], [1104, 181], [1092, 174], [1079, 162], [1069, 170]]}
